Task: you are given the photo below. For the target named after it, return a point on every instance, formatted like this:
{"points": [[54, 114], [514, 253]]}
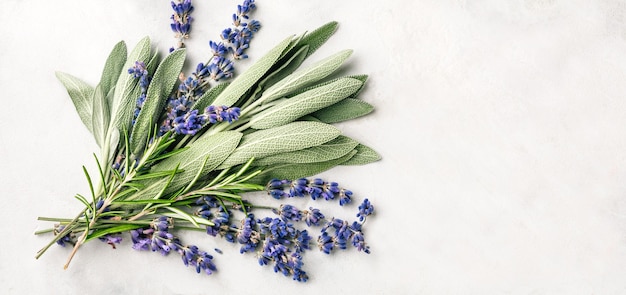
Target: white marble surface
{"points": [[501, 124]]}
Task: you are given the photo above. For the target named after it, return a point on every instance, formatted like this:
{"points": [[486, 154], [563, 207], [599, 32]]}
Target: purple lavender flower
{"points": [[275, 188], [218, 48], [313, 216], [325, 243], [344, 197], [298, 187], [220, 220], [317, 188], [141, 239], [247, 235], [204, 261], [67, 238], [111, 239], [358, 240], [183, 120], [188, 253], [288, 212], [302, 241], [365, 209], [275, 249], [139, 71], [158, 239], [181, 20]]}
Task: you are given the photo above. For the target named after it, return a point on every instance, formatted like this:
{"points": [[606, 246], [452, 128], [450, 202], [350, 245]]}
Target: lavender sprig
{"points": [[139, 71], [158, 239], [317, 188], [181, 21], [181, 117]]}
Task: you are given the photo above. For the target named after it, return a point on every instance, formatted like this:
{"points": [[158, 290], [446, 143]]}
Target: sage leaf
{"points": [[114, 139], [100, 115], [306, 76], [336, 148], [216, 147], [362, 78], [81, 94], [246, 80], [291, 137], [309, 118], [163, 81], [364, 155], [294, 45], [344, 110], [113, 67], [291, 109], [127, 89], [295, 171], [285, 69], [318, 37], [208, 97], [153, 63]]}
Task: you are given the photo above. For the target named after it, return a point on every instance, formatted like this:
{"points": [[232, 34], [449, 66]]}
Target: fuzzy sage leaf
{"points": [[245, 81], [113, 68], [318, 37], [288, 67], [81, 94], [291, 109], [344, 110], [291, 137], [306, 76], [364, 155], [336, 148], [362, 78], [295, 171], [127, 90], [100, 115]]}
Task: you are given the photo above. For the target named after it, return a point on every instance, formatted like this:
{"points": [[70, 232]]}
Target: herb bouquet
{"points": [[180, 154]]}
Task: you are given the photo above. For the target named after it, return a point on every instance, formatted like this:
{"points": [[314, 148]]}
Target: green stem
{"points": [[182, 142], [68, 228], [44, 231]]}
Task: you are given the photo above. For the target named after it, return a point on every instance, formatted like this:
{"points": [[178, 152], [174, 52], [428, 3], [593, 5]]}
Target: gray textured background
{"points": [[501, 124]]}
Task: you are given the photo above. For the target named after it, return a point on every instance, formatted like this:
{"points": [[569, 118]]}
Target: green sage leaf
{"points": [[246, 80], [127, 89], [294, 45], [113, 68], [100, 115], [344, 110], [318, 37], [291, 137], [288, 67], [291, 109], [362, 78], [306, 76], [81, 94], [364, 155], [336, 148], [163, 81], [295, 171], [153, 63]]}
